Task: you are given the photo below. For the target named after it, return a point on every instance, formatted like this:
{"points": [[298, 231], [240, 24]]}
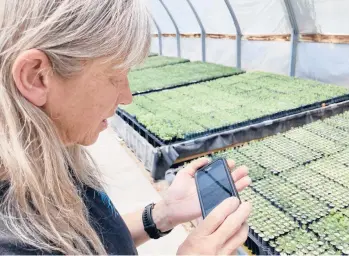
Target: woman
{"points": [[64, 68]]}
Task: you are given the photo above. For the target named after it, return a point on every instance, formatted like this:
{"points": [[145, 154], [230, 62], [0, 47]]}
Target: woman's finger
{"points": [[198, 221], [218, 215], [236, 241], [243, 183], [231, 164], [195, 165], [233, 222], [239, 173]]}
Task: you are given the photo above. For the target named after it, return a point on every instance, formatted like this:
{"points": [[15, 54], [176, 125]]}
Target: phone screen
{"points": [[214, 186]]}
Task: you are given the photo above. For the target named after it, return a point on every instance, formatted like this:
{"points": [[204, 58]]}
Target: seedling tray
{"points": [[159, 61], [315, 142], [152, 54], [131, 119], [223, 104], [329, 132], [266, 221], [303, 241], [300, 210], [325, 190], [256, 246], [291, 149], [333, 168], [158, 156], [334, 229], [340, 121], [174, 76], [268, 158], [302, 206]]}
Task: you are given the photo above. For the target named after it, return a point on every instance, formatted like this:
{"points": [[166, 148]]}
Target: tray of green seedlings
{"points": [[171, 114], [267, 158], [342, 157], [154, 79], [340, 121], [302, 242], [172, 123], [296, 202], [159, 61], [314, 141], [153, 54], [345, 115], [328, 131], [327, 191], [266, 221], [291, 149], [256, 172], [304, 87], [334, 229], [332, 169], [219, 105]]}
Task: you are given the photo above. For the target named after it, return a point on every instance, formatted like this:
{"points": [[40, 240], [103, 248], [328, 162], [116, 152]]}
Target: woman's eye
{"points": [[120, 81], [114, 82]]}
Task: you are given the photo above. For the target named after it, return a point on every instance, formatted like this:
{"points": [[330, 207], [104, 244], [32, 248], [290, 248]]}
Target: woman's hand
{"points": [[222, 232], [181, 202]]}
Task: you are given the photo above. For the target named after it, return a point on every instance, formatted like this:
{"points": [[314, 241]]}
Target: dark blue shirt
{"points": [[105, 219]]}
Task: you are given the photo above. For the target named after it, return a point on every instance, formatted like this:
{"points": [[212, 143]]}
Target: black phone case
{"points": [[226, 167]]}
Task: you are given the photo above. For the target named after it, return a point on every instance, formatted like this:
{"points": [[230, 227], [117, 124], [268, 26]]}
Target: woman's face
{"points": [[80, 105]]}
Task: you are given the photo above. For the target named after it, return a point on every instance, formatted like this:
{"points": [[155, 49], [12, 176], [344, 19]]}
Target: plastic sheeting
{"points": [[159, 160], [322, 16], [271, 56], [320, 61], [324, 62], [215, 17], [261, 56], [261, 16], [255, 16]]}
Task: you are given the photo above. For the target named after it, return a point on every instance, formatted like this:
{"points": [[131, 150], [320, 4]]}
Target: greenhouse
{"points": [[265, 83]]}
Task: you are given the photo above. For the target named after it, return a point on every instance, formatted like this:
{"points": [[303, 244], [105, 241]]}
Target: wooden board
{"points": [[317, 38]]}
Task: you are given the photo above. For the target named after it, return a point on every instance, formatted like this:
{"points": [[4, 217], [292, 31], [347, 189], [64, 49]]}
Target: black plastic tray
{"points": [[257, 246], [156, 141]]}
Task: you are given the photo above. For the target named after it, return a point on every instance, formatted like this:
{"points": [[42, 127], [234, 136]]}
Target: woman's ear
{"points": [[30, 73]]}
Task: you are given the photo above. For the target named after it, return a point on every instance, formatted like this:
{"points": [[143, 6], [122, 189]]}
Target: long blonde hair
{"points": [[42, 206]]}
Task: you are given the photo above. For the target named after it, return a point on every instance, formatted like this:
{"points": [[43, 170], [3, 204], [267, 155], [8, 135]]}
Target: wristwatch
{"points": [[149, 225]]}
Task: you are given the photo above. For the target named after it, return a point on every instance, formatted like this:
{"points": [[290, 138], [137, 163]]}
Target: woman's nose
{"points": [[126, 97]]}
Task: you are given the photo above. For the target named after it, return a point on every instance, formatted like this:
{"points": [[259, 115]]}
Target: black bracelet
{"points": [[149, 225]]}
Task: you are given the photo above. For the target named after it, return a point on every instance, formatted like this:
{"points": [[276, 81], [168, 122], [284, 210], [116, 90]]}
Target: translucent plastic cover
{"points": [[266, 32]]}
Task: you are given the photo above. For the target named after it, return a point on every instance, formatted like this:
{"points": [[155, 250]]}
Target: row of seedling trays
{"points": [[291, 215], [274, 232], [223, 104], [174, 75], [173, 107], [300, 189]]}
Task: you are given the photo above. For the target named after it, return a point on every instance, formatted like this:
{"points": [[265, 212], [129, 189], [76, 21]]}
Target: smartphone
{"points": [[214, 184]]}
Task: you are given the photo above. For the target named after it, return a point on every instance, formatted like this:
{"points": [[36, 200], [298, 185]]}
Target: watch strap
{"points": [[149, 225]]}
